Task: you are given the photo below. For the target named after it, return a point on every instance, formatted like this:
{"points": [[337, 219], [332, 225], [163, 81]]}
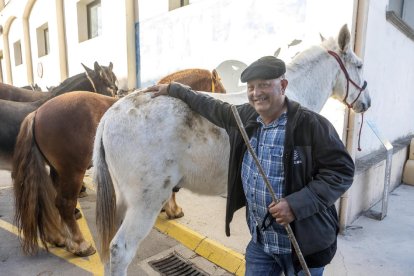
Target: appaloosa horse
{"points": [[60, 133], [100, 80], [144, 147]]}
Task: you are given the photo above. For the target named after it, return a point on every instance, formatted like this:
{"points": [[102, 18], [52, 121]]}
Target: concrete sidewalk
{"points": [[369, 247]]}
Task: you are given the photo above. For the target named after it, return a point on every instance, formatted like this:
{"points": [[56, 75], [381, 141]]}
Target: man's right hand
{"points": [[157, 90]]}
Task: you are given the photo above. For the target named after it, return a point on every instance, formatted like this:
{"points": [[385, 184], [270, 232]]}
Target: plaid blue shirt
{"points": [[268, 143]]}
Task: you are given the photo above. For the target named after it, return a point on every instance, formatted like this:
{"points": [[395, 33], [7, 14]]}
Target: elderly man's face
{"points": [[267, 97]]}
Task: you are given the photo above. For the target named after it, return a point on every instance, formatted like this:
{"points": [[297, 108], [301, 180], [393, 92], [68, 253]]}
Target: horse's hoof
{"points": [[90, 251], [60, 245], [78, 214], [176, 216], [83, 194]]}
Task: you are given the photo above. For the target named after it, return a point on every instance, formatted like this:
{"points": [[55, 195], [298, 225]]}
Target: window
{"points": [[175, 4], [43, 46], [89, 19], [94, 19], [401, 14], [17, 53]]}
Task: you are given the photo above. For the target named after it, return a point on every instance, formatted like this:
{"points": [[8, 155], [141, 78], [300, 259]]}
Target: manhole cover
{"points": [[174, 264]]}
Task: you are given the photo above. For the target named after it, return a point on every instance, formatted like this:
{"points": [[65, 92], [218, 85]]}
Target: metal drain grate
{"points": [[176, 265]]}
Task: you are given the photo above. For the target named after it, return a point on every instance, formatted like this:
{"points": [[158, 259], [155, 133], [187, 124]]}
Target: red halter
{"points": [[348, 80]]}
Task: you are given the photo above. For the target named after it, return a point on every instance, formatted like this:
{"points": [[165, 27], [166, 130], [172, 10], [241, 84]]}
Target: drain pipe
{"points": [[131, 14], [352, 123]]}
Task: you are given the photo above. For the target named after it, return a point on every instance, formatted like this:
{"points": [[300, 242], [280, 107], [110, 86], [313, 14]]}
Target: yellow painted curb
{"points": [[211, 250]]}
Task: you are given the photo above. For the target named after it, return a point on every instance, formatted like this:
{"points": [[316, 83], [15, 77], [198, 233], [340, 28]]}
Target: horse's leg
{"points": [[54, 237], [136, 225], [70, 183], [172, 209], [54, 176]]}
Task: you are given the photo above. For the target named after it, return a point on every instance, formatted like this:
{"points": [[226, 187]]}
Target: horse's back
{"points": [[13, 93], [69, 122], [164, 138]]}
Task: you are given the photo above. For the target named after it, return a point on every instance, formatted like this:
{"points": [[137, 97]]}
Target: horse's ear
{"points": [[97, 67], [344, 38], [322, 37], [110, 66], [214, 74], [87, 69], [277, 52]]}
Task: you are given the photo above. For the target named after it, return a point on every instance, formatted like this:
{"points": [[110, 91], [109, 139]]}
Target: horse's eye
{"points": [[359, 66]]}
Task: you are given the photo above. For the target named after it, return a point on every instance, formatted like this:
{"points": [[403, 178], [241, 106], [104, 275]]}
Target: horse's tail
{"points": [[106, 198], [33, 190]]}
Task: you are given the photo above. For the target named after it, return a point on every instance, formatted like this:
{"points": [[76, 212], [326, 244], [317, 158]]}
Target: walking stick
{"points": [[269, 187]]}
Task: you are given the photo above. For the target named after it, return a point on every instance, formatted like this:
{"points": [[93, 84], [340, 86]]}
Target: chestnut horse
{"points": [[60, 134]]}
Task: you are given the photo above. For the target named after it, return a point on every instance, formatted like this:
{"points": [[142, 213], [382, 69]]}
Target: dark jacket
{"points": [[318, 169]]}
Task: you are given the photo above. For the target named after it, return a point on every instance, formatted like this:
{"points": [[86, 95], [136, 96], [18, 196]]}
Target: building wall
{"points": [[388, 59], [109, 47], [389, 70]]}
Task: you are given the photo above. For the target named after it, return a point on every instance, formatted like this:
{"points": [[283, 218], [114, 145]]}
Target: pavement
{"points": [[368, 247]]}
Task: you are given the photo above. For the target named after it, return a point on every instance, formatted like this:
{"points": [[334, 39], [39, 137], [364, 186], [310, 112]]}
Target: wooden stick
{"points": [[269, 187]]}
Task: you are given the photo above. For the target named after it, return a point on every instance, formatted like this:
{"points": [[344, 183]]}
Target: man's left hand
{"points": [[281, 212]]}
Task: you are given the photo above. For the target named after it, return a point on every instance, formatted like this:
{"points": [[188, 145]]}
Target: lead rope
{"points": [[269, 187], [360, 131], [212, 85]]}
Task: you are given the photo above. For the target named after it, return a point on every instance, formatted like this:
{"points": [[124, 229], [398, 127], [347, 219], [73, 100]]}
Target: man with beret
{"points": [[304, 160]]}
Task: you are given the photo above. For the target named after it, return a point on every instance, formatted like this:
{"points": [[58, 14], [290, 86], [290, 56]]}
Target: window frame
{"points": [[396, 12]]}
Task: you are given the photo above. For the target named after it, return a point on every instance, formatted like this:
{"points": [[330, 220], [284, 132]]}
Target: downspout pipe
{"points": [[27, 42], [352, 122], [6, 45], [63, 55], [131, 45]]}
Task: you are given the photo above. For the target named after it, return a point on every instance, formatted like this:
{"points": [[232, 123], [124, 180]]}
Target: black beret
{"points": [[264, 68]]}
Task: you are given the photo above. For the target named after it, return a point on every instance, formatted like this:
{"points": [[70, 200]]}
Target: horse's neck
{"points": [[311, 79], [78, 82]]}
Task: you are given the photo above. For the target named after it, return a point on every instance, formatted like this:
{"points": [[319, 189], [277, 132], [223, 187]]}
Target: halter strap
{"points": [[348, 80], [91, 81]]}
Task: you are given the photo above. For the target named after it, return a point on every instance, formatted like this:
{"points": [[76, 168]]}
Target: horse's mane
{"points": [[310, 56], [184, 74], [69, 83]]}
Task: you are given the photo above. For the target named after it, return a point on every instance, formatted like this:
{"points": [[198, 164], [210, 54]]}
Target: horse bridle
{"points": [[348, 80]]}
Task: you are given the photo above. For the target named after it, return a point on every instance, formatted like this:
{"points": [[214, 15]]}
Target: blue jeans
{"points": [[261, 263]]}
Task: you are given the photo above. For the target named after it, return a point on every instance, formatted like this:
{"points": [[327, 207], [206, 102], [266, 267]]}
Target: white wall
{"points": [[50, 62], [206, 33], [109, 47], [389, 70]]}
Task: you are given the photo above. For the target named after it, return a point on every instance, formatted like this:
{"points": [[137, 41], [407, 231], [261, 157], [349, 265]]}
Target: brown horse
{"points": [[60, 134]]}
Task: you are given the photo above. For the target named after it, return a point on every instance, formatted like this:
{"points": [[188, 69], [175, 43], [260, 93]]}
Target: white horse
{"points": [[144, 147]]}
